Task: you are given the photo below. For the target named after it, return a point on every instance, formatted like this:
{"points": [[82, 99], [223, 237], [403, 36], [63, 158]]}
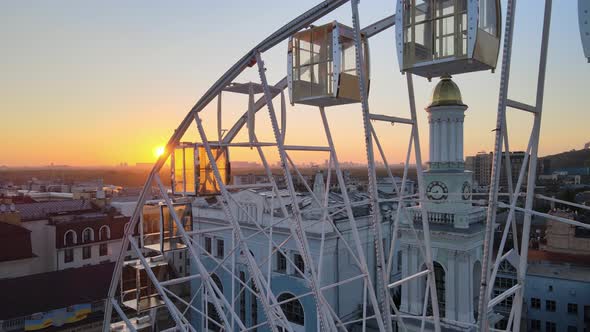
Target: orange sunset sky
{"points": [[94, 83]]}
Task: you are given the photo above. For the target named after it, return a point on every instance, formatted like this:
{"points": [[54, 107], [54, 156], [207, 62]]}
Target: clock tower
{"points": [[456, 226]]}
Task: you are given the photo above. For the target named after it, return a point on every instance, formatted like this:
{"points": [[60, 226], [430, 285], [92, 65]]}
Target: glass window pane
{"points": [[305, 73], [207, 182], [348, 58], [178, 170], [151, 224], [189, 157], [488, 16], [444, 7], [422, 11], [304, 52]]}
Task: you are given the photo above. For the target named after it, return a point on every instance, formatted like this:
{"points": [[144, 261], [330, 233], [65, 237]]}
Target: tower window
{"points": [[299, 263], [439, 275], [211, 311], [292, 309], [281, 262], [86, 252], [242, 297], [254, 304], [220, 248], [572, 308], [68, 255], [208, 245], [87, 235]]}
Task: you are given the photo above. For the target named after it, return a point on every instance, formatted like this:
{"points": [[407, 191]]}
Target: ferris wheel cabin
{"points": [[322, 66], [584, 19], [192, 173], [158, 230], [438, 37]]}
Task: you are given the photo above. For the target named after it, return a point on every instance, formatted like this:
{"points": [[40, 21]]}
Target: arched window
{"points": [[211, 311], [506, 268], [70, 238], [292, 309], [217, 281], [87, 235], [439, 276], [104, 233]]}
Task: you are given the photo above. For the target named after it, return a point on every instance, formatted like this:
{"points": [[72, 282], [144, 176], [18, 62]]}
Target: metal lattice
{"points": [[287, 229]]}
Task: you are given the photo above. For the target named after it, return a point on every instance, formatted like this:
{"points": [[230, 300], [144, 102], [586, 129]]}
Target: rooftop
{"points": [[15, 243], [40, 210], [560, 271], [54, 290]]}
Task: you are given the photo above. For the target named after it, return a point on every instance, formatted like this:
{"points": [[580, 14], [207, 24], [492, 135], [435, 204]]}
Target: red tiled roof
{"points": [[54, 290]]}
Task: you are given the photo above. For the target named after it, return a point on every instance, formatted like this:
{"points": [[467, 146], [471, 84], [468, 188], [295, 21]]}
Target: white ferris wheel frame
{"points": [[375, 296]]}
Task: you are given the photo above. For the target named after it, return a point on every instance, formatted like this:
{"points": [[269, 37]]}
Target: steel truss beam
{"points": [[488, 275], [375, 294], [283, 33]]}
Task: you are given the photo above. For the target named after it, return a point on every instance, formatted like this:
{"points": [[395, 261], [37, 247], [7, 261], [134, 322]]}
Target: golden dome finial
{"points": [[446, 93]]}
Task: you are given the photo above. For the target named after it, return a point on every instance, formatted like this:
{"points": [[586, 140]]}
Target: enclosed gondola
{"points": [[584, 19], [322, 66], [138, 291], [159, 231], [192, 172], [438, 37]]}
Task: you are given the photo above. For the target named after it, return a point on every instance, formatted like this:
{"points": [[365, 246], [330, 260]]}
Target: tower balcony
{"points": [[457, 219]]}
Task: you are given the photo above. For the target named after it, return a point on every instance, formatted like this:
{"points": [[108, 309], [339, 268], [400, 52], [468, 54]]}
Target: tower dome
{"points": [[446, 93]]}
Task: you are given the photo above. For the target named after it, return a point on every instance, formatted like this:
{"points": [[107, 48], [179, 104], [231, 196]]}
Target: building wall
{"points": [[337, 265], [481, 166], [43, 248], [18, 268], [385, 185], [562, 291], [48, 246], [43, 241], [562, 237], [114, 247], [460, 257]]}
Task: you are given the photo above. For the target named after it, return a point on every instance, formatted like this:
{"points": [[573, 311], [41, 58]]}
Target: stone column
{"points": [[404, 307], [450, 289], [431, 134], [460, 141], [453, 140], [444, 140], [463, 293], [415, 284], [436, 142]]}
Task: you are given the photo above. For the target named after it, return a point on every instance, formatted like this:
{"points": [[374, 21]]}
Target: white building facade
{"points": [[336, 264]]}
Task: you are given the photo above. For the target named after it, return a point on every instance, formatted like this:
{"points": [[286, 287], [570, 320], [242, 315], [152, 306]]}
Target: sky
{"points": [[103, 82]]}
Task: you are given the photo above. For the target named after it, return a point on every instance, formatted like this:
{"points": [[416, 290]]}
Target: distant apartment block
{"points": [[481, 166]]}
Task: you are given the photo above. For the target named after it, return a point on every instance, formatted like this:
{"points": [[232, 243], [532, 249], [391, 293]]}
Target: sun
{"points": [[159, 151]]}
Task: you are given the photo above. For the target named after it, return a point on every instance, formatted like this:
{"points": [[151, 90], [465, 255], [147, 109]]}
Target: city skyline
{"points": [[418, 181], [86, 85]]}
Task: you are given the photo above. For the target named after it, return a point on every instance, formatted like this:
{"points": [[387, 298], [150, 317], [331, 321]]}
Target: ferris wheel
{"points": [[285, 253]]}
